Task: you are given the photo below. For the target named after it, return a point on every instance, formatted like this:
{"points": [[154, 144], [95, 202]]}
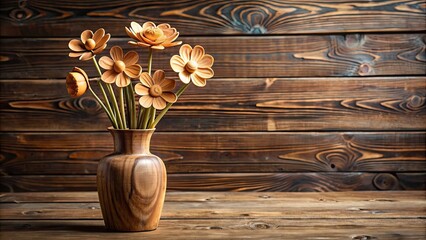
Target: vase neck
{"points": [[132, 141]]}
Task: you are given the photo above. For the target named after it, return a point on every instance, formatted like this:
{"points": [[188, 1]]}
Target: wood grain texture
{"points": [[279, 56], [258, 182], [271, 104], [192, 152], [131, 183], [209, 18]]}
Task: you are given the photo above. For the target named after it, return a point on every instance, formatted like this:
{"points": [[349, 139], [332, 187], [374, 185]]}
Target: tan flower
{"points": [[155, 90], [120, 68], [90, 44], [76, 82], [193, 65], [150, 35]]}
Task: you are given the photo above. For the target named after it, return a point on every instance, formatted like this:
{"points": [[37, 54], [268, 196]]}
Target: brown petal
{"points": [[171, 37], [116, 53], [130, 33], [76, 45], [106, 63], [184, 77], [86, 56], [169, 97], [198, 81], [197, 53], [136, 27], [158, 76], [206, 61], [141, 89], [133, 71], [86, 34], [158, 47], [98, 34], [167, 85], [164, 26], [185, 52], [99, 50], [131, 58], [159, 103], [75, 54], [169, 32], [146, 101], [77, 69], [148, 24], [109, 76], [204, 72], [177, 63], [122, 80], [146, 80], [103, 40], [142, 44], [172, 44], [147, 40]]}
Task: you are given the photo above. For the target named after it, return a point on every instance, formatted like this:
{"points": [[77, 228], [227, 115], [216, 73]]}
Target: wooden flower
{"points": [[150, 35], [120, 68], [76, 82], [89, 45], [155, 90], [193, 65]]}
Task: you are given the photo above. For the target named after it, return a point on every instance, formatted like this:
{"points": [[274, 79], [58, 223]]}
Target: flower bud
{"points": [[76, 82]]}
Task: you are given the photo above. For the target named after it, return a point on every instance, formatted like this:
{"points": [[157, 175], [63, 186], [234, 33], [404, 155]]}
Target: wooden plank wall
{"points": [[308, 95]]}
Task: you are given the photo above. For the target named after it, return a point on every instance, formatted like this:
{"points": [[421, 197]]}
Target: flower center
{"points": [[155, 90], [191, 66], [90, 44], [153, 33], [119, 66]]}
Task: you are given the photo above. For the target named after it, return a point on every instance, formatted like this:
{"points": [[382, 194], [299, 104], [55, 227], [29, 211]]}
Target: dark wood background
{"points": [[308, 95]]}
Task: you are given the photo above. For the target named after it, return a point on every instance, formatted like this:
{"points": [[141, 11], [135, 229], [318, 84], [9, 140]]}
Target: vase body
{"points": [[131, 183]]}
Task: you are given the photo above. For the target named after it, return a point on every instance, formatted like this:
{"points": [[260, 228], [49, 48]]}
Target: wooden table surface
{"points": [[225, 215]]}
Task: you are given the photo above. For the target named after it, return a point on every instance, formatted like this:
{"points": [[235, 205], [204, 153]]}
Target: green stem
{"points": [[117, 110], [123, 113], [164, 111], [150, 61], [141, 113], [146, 118], [101, 85], [131, 106]]}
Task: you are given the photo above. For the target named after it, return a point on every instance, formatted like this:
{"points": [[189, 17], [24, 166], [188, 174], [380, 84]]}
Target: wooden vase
{"points": [[131, 183]]}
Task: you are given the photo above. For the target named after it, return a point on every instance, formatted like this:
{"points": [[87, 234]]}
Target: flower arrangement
{"points": [[153, 91]]}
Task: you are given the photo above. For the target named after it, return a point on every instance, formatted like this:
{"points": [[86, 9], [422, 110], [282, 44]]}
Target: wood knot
{"points": [[364, 69], [20, 14], [259, 225], [354, 40], [363, 237], [386, 181], [415, 102]]}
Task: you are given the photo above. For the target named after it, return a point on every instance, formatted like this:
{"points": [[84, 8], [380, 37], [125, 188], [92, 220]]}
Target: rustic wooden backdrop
{"points": [[308, 95]]}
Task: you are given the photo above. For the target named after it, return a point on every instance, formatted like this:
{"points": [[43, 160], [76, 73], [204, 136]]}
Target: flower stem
{"points": [[123, 113], [101, 85], [150, 61], [164, 111], [117, 110], [131, 106], [141, 113], [146, 118]]}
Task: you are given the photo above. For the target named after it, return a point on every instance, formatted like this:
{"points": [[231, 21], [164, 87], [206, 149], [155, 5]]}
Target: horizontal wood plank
{"points": [[186, 152], [258, 182], [68, 18], [271, 104], [278, 56], [253, 228]]}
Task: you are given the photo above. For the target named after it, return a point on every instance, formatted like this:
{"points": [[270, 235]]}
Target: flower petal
{"points": [[158, 47], [159, 103], [177, 63], [86, 56], [136, 27], [122, 80], [185, 52], [184, 77], [75, 54], [197, 53], [109, 76], [204, 72], [165, 44], [142, 44], [198, 81], [158, 76], [76, 45], [103, 40], [116, 53], [206, 61], [147, 25], [141, 89], [100, 49], [167, 85], [133, 71], [131, 58], [169, 97], [99, 34], [164, 26], [106, 63], [146, 101], [86, 34], [146, 80]]}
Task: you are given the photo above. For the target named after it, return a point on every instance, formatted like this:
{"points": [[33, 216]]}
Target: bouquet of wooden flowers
{"points": [[153, 91]]}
